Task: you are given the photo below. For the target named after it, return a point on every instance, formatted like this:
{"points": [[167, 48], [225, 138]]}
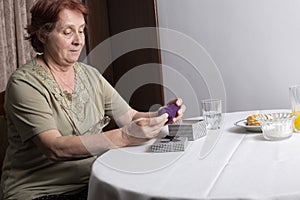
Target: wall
{"points": [[252, 45]]}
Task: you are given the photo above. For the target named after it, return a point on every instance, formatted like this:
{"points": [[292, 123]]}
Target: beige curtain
{"points": [[14, 50]]}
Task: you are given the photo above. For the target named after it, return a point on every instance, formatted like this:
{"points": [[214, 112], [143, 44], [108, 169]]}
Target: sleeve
{"points": [[115, 105], [28, 109]]}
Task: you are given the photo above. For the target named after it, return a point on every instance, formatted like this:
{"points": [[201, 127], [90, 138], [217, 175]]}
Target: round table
{"points": [[235, 164]]}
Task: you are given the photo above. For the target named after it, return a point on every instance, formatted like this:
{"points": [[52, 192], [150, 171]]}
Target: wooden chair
{"points": [[2, 94], [3, 131]]}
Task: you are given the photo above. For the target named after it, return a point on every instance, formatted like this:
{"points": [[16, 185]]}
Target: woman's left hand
{"points": [[180, 112]]}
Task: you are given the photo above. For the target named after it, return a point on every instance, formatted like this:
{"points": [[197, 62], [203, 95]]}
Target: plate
{"points": [[243, 123]]}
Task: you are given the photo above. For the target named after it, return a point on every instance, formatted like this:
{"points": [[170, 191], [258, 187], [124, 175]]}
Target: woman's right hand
{"points": [[143, 129]]}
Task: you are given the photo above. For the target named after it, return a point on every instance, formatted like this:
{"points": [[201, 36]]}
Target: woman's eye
{"points": [[67, 33]]}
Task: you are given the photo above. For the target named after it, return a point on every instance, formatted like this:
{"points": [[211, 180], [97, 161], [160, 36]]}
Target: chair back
{"points": [[3, 131], [2, 95]]}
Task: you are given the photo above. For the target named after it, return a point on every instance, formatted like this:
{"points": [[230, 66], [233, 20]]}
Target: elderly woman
{"points": [[56, 110]]}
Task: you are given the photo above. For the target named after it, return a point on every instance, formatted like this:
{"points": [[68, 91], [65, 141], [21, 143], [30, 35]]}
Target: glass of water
{"points": [[212, 113]]}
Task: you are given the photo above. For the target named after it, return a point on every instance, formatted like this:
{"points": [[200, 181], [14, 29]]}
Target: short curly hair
{"points": [[44, 16]]}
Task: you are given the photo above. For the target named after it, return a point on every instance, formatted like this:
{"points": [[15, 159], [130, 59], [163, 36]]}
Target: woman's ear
{"points": [[42, 36]]}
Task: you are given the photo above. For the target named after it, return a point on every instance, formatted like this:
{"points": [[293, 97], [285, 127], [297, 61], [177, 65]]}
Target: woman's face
{"points": [[64, 44]]}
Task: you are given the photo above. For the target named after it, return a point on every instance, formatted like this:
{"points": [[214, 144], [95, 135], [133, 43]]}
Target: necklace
{"points": [[55, 76]]}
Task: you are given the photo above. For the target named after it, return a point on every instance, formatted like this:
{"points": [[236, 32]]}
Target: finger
{"points": [[158, 120], [143, 121], [155, 131], [178, 102], [158, 126], [182, 109], [179, 114]]}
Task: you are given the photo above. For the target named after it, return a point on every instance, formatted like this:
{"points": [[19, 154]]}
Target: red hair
{"points": [[44, 15]]}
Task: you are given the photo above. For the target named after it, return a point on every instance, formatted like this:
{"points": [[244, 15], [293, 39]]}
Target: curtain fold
{"points": [[14, 50]]}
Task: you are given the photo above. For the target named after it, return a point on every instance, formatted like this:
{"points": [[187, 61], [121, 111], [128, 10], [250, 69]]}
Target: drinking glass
{"points": [[212, 113], [295, 102]]}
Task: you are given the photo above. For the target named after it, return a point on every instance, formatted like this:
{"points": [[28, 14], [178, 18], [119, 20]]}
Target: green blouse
{"points": [[35, 103]]}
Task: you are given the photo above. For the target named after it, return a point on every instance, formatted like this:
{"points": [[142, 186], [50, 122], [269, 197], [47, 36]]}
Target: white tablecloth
{"points": [[241, 165]]}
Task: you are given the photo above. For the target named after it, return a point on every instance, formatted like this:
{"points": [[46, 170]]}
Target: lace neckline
{"points": [[72, 103], [57, 77]]}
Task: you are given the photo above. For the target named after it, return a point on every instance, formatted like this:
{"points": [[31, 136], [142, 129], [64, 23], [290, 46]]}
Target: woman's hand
{"points": [[180, 112], [143, 129]]}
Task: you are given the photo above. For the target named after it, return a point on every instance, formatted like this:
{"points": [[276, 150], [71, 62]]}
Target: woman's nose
{"points": [[78, 39]]}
